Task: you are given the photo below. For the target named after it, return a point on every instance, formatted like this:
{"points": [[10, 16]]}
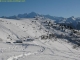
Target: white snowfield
{"points": [[38, 49]]}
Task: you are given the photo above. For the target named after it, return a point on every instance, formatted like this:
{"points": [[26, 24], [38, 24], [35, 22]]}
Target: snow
{"points": [[45, 49]]}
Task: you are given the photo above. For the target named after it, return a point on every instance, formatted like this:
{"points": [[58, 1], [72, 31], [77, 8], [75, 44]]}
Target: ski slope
{"points": [[38, 49]]}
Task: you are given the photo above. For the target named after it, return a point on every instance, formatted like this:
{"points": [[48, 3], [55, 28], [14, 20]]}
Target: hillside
{"points": [[37, 39]]}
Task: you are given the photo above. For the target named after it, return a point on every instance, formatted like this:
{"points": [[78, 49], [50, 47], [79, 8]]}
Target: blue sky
{"points": [[64, 8]]}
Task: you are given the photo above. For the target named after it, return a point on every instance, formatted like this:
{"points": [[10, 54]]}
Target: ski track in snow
{"points": [[18, 56], [27, 54]]}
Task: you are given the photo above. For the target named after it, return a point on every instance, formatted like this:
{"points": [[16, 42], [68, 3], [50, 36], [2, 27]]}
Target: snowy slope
{"points": [[18, 29], [38, 49]]}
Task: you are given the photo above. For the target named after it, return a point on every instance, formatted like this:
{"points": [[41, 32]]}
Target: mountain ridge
{"points": [[74, 22]]}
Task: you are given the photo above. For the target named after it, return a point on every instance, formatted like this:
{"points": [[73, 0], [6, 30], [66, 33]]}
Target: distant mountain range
{"points": [[32, 15], [72, 21]]}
